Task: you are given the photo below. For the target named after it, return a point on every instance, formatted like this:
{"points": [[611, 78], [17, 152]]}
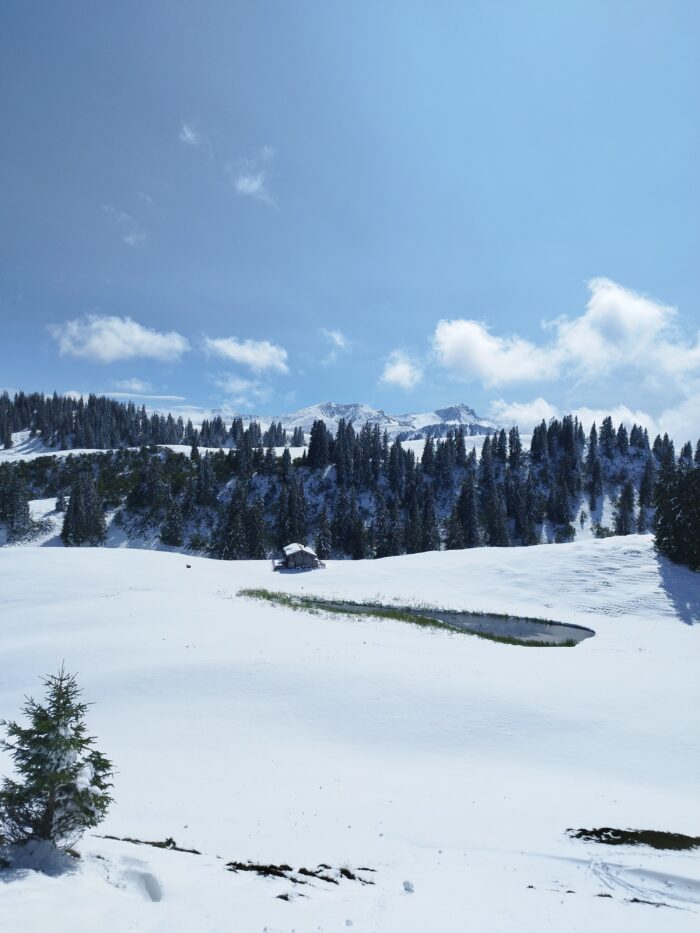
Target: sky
{"points": [[258, 206]]}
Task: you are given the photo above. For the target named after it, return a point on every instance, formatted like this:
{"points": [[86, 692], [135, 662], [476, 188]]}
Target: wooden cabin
{"points": [[298, 557]]}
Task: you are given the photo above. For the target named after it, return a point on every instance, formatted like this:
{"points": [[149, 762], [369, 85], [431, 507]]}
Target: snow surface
{"points": [[451, 765]]}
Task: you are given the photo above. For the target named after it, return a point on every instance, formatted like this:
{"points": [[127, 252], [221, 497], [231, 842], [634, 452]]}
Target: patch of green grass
{"points": [[412, 616]]}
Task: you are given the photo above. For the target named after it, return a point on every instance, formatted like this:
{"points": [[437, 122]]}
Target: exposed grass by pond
{"points": [[412, 616]]}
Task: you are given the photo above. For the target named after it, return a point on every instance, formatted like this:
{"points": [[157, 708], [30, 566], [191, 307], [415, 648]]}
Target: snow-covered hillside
{"points": [[250, 731]]}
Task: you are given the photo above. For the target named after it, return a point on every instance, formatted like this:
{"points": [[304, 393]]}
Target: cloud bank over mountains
{"points": [[620, 334]]}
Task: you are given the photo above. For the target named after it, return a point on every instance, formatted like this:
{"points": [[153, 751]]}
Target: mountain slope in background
{"points": [[412, 426]]}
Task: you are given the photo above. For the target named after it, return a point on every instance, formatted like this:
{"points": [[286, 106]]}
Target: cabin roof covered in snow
{"points": [[295, 548]]}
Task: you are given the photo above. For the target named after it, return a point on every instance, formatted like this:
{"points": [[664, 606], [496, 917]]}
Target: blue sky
{"points": [[258, 206]]}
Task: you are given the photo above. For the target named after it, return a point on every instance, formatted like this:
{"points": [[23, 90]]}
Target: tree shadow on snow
{"points": [[35, 856], [682, 586]]}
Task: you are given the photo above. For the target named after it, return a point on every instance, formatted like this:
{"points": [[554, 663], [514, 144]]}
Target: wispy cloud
{"points": [[140, 395], [131, 231], [106, 339], [400, 370], [258, 355], [338, 344], [133, 385], [250, 176], [190, 136], [242, 392]]}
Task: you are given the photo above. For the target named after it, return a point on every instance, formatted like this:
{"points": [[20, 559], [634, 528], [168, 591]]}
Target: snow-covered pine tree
{"points": [[63, 781], [323, 537]]}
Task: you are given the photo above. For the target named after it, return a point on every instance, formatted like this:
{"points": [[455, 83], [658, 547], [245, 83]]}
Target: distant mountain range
{"points": [[405, 427]]}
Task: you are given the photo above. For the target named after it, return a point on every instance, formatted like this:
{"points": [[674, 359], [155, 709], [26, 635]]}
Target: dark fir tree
{"points": [[16, 509], [84, 521], [256, 530], [624, 510], [172, 531]]}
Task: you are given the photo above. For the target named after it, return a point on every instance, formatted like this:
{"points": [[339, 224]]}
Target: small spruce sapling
{"points": [[63, 785]]}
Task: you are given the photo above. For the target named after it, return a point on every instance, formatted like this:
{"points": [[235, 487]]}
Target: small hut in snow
{"points": [[298, 557]]}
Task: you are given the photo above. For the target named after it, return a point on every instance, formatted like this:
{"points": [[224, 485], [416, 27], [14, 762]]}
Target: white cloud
{"points": [[258, 355], [524, 414], [681, 422], [190, 136], [132, 233], [251, 175], [619, 330], [105, 339], [133, 385], [401, 371], [468, 350]]}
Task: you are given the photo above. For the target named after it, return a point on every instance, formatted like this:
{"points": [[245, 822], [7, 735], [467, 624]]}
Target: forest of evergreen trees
{"points": [[352, 493], [101, 423]]}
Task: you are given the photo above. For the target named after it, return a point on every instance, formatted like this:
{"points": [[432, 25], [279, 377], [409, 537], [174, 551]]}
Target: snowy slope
{"points": [[249, 731]]}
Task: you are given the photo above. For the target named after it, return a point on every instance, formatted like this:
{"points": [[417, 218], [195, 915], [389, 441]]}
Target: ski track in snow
{"points": [[450, 765]]}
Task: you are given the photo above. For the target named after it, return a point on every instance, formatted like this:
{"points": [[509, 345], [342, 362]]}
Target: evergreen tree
{"points": [[16, 509], [63, 785], [642, 520], [608, 438], [492, 510], [430, 532], [468, 511], [454, 537], [623, 440], [646, 485], [624, 510], [323, 537], [515, 449], [293, 513], [677, 519], [60, 503], [428, 458], [286, 466], [380, 529], [256, 531], [84, 521], [413, 529], [318, 453], [356, 542], [172, 531]]}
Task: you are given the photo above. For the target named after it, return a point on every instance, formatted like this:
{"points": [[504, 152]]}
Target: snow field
{"points": [[250, 731]]}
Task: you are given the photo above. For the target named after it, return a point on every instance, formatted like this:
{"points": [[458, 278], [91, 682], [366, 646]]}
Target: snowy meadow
{"points": [[442, 768]]}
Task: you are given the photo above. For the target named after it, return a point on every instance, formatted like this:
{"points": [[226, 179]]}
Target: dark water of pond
{"points": [[533, 630]]}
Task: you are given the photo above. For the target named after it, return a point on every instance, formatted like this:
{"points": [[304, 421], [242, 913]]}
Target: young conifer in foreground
{"points": [[63, 781]]}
